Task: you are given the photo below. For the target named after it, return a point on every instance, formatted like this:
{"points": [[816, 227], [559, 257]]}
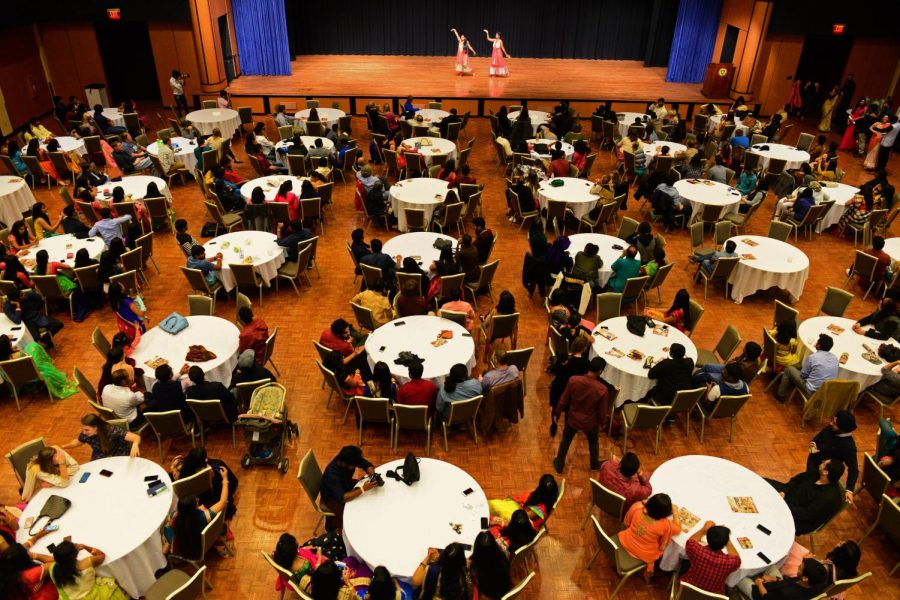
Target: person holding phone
{"points": [[339, 486]]}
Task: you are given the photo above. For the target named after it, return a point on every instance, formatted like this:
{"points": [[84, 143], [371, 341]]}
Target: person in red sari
{"points": [[498, 55], [848, 142]]}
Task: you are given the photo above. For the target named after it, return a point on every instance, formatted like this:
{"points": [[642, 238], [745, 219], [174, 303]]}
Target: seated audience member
{"points": [[842, 562], [417, 391], [464, 175], [811, 579], [444, 574], [835, 442], [350, 379], [587, 264], [291, 236], [195, 461], [748, 361], [248, 371], [885, 322], [108, 227], [128, 306], [382, 383], [184, 528], [77, 578], [121, 399], [129, 162], [813, 497], [538, 503], [484, 239], [671, 375], [410, 301], [340, 336], [105, 440], [648, 529], [888, 387], [210, 390], [28, 308], [328, 581], [452, 302], [502, 373], [489, 567], [377, 258], [458, 385], [786, 348], [731, 385], [339, 487], [184, 239], [678, 315], [625, 267], [50, 467], [71, 224], [376, 301], [707, 262], [819, 367], [585, 403], [515, 534], [718, 172], [711, 563], [168, 394], [253, 335], [197, 260], [624, 476]]}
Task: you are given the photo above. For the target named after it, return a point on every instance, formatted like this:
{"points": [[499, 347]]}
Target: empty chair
{"points": [[200, 305], [462, 412], [169, 424], [624, 564], [726, 407], [178, 585], [835, 302], [407, 416], [374, 410], [18, 372], [779, 231], [728, 343], [643, 416], [209, 412], [864, 266], [723, 269]]}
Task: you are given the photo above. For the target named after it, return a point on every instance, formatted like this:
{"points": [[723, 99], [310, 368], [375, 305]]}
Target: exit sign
{"points": [[114, 14], [838, 29]]}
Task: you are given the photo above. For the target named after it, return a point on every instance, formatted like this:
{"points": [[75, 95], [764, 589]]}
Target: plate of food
{"points": [[635, 355], [156, 362]]}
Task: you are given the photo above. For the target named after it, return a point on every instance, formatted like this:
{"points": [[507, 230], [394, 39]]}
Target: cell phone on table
{"points": [[399, 323], [51, 548], [467, 491], [466, 547], [151, 477], [16, 328], [484, 522], [382, 348], [84, 476], [764, 530], [617, 247], [106, 473]]}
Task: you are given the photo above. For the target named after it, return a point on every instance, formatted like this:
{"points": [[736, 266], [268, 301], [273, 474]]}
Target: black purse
{"points": [[636, 324], [54, 508], [409, 472]]}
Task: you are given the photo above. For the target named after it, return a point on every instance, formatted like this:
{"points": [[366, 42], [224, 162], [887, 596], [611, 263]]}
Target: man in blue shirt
{"points": [[708, 261], [107, 227], [105, 125], [338, 485], [198, 261], [818, 368]]}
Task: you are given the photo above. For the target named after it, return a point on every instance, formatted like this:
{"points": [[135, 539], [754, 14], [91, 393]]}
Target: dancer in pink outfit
{"points": [[463, 49], [498, 55]]}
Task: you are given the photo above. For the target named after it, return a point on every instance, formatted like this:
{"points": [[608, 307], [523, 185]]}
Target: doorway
{"points": [[128, 60], [823, 59], [227, 56]]}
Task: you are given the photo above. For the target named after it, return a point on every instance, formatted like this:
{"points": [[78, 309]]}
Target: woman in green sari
{"points": [[57, 382], [828, 109]]}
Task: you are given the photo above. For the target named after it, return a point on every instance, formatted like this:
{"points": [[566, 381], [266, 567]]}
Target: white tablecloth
{"points": [[259, 245], [702, 485], [308, 140], [417, 243], [114, 514], [69, 144], [219, 336], [629, 374], [715, 120], [413, 518], [840, 193], [626, 120], [416, 335], [327, 116], [856, 368], [270, 186], [569, 149], [607, 252], [15, 198], [708, 192], [19, 337], [431, 116], [537, 118], [225, 119], [777, 264], [575, 192], [892, 247], [184, 151], [674, 148], [793, 156], [134, 186], [62, 248], [439, 147], [422, 192], [115, 116]]}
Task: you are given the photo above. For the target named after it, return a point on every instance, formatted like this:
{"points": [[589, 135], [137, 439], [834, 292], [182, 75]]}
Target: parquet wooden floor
{"points": [[767, 437]]}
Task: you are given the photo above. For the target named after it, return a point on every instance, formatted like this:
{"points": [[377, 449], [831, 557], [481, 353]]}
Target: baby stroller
{"points": [[267, 428]]}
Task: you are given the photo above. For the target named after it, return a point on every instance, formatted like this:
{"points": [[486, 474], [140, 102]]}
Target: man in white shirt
{"points": [[281, 119], [659, 108], [167, 157], [887, 144], [176, 82], [119, 398]]}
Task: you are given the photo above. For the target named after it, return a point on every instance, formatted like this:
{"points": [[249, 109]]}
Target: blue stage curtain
{"points": [[695, 37], [262, 39]]}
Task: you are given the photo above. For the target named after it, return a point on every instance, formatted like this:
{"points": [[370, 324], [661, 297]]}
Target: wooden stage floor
{"points": [[434, 77]]}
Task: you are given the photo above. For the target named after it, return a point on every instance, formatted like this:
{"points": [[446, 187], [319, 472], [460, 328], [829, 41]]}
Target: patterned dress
{"points": [[498, 62]]}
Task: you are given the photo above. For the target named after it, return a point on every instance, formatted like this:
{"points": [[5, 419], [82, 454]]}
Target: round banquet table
{"points": [[68, 143], [629, 374], [414, 518], [892, 247], [415, 335], [439, 147], [841, 193], [422, 192], [537, 118], [184, 152], [308, 140], [715, 120], [857, 368], [15, 198], [607, 253], [18, 334], [574, 191], [568, 149], [114, 115], [793, 156], [776, 264], [62, 248], [219, 336], [134, 186], [327, 116], [674, 148], [626, 120], [702, 485], [270, 186], [419, 245], [114, 514], [706, 192], [430, 116], [225, 119], [257, 246]]}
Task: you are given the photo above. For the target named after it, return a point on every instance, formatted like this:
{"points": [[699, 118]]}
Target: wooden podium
{"points": [[717, 81]]}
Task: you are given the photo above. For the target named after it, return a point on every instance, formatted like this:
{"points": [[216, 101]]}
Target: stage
{"points": [[352, 80]]}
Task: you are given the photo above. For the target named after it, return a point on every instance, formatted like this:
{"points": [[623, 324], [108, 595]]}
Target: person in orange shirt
{"points": [[648, 529]]}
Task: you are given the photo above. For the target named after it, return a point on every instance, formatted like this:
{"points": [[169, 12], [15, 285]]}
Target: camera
{"points": [[377, 479]]}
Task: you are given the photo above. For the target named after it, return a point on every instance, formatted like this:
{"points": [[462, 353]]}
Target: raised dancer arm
{"points": [[456, 33], [487, 34]]}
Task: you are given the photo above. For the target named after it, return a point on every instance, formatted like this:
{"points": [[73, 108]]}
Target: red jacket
{"points": [[253, 337]]}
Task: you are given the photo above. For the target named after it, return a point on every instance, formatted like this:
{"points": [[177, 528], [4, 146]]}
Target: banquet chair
{"points": [[158, 210], [374, 410], [348, 166], [603, 215], [462, 412], [254, 162], [559, 497], [805, 141], [700, 125], [170, 424], [502, 327], [728, 343], [835, 302], [889, 520], [49, 289], [283, 574], [198, 283], [451, 315], [687, 591], [838, 587], [297, 165], [820, 528], [452, 216], [35, 169], [807, 222], [864, 266], [643, 416], [100, 342], [627, 228], [882, 400], [503, 160], [607, 501], [783, 313], [61, 166], [226, 221], [208, 412], [873, 479], [609, 306], [656, 283], [758, 139], [128, 208], [175, 127], [161, 135], [270, 350], [195, 485], [404, 277], [85, 385], [19, 457], [776, 166], [710, 215], [334, 386], [779, 231], [858, 228], [463, 159], [726, 407], [200, 305], [370, 218], [834, 395], [133, 260], [485, 281], [415, 219], [208, 537], [723, 268], [624, 564], [87, 209], [13, 170], [7, 287], [178, 585], [685, 401], [407, 416], [370, 274], [449, 284], [634, 288], [364, 317], [588, 165], [145, 243], [128, 280], [309, 474], [285, 132], [513, 201], [18, 372]]}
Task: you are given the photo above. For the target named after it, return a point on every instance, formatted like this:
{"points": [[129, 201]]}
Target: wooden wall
{"points": [[873, 63], [775, 71], [205, 15], [22, 79], [173, 48], [73, 57]]}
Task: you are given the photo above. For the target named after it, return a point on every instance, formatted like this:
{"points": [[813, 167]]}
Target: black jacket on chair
{"points": [[671, 375]]}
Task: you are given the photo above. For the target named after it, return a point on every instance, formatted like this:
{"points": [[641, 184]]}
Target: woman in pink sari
{"points": [[463, 48], [498, 55], [795, 102], [112, 169]]}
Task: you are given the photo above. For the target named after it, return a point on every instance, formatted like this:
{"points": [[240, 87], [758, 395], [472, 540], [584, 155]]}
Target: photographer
{"points": [[176, 82], [339, 486]]}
